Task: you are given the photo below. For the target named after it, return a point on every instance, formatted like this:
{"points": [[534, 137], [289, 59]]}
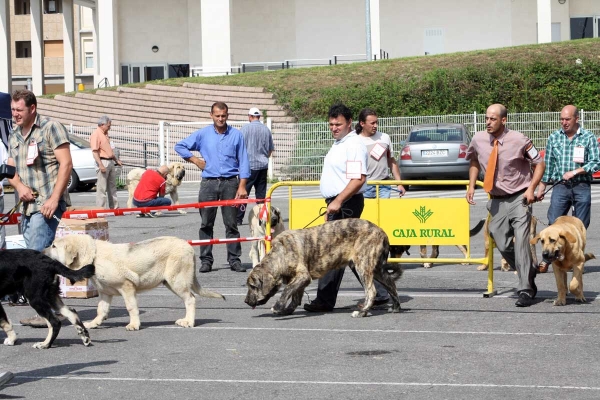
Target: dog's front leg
{"points": [[561, 285], [294, 290], [102, 314], [576, 285], [175, 198], [6, 326]]}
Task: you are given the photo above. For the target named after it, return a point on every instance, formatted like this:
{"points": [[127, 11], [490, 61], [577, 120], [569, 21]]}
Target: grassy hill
{"points": [[526, 79]]}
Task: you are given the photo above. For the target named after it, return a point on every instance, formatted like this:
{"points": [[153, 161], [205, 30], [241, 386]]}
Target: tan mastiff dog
{"points": [[563, 244]]}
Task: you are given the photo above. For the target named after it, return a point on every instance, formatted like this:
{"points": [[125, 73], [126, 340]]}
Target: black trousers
{"points": [[258, 180], [329, 285]]}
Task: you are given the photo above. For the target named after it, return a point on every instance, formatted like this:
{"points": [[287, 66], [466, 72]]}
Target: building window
{"points": [[22, 7], [52, 6], [23, 49], [582, 28], [87, 46], [54, 48]]}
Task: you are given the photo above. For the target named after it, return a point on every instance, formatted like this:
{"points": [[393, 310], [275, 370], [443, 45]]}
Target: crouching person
{"points": [[151, 190]]}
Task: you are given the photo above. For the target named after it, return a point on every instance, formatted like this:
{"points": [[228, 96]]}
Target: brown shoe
{"points": [[543, 267], [34, 322]]}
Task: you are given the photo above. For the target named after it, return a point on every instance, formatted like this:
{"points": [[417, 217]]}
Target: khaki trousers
{"points": [[106, 185]]}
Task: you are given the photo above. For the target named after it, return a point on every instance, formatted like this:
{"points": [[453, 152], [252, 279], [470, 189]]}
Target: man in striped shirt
{"points": [[259, 145], [571, 158]]}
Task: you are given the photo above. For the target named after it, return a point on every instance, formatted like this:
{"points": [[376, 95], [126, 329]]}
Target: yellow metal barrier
{"points": [[414, 221]]}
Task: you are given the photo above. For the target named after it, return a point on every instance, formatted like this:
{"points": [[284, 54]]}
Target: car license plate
{"points": [[434, 153]]}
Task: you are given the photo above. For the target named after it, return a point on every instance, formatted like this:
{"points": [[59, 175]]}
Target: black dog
{"points": [[34, 274]]}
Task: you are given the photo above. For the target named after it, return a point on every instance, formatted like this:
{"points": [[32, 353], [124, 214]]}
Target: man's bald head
{"points": [[163, 170]]}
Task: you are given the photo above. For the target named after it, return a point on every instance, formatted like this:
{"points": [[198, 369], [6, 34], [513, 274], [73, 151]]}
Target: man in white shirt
{"points": [[342, 185]]}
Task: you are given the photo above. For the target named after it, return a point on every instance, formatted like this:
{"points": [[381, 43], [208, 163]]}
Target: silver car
{"points": [[435, 151], [83, 177]]}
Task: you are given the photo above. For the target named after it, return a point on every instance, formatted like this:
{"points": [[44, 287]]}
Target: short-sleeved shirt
{"points": [[560, 151], [334, 178], [516, 154], [225, 153], [377, 169], [150, 186], [100, 142], [259, 143], [42, 175]]}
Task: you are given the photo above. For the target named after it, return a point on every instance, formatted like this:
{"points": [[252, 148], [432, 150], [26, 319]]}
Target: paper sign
{"points": [[32, 152], [378, 151], [578, 154]]}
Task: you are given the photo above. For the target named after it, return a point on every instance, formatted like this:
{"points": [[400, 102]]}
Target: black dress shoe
{"points": [[317, 306], [205, 268], [524, 300], [238, 267]]}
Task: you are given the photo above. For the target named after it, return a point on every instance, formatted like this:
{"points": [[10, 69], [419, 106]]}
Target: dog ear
{"points": [[569, 237], [535, 240], [267, 282]]}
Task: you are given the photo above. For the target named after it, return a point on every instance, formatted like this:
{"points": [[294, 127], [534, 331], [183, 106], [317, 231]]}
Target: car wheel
{"points": [[73, 182]]}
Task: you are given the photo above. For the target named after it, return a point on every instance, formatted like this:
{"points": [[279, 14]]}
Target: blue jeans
{"points": [[371, 193], [157, 202], [566, 195], [211, 190], [38, 231]]}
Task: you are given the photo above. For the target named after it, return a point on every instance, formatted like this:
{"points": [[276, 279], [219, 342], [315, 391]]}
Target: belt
{"points": [[221, 178], [103, 158], [506, 196], [330, 199]]}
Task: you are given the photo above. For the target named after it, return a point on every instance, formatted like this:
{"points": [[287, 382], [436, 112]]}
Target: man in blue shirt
{"points": [[225, 170], [259, 145]]}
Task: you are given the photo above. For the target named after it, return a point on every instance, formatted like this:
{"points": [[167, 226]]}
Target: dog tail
{"points": [[396, 270], [475, 230], [589, 256], [74, 275], [200, 291]]}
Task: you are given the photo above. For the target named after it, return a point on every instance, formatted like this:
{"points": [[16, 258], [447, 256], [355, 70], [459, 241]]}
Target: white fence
{"points": [[301, 147]]}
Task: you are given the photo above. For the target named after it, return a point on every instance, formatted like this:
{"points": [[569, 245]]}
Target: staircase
{"points": [[154, 103]]}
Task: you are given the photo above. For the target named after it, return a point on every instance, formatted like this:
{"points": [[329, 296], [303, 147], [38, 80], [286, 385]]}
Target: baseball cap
{"points": [[254, 111]]}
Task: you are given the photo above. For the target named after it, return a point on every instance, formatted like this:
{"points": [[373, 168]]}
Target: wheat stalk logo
{"points": [[422, 215]]}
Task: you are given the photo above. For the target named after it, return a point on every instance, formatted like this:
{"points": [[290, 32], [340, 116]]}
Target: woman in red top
{"points": [[152, 184]]}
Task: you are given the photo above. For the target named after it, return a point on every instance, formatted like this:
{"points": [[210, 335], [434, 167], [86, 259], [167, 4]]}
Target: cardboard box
{"points": [[15, 242], [96, 228]]}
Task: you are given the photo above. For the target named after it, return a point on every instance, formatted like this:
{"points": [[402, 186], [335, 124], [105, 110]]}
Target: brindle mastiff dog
{"points": [[300, 256]]}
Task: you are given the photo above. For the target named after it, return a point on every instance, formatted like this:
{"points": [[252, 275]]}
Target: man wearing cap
{"points": [[103, 150], [259, 145]]}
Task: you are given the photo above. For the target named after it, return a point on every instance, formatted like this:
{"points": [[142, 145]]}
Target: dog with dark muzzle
{"points": [[257, 219], [299, 256], [563, 245]]}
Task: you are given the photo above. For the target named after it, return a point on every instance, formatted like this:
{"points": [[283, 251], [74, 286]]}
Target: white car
{"points": [[83, 177]]}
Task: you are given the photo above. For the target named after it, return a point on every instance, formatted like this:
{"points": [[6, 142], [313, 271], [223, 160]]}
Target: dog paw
{"points": [[86, 341], [132, 327], [359, 314], [184, 323], [482, 267], [40, 345], [581, 299], [182, 212], [285, 311], [560, 302], [427, 265], [90, 325], [9, 342]]}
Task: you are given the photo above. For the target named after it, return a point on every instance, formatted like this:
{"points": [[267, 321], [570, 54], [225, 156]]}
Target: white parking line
{"points": [[301, 382]]}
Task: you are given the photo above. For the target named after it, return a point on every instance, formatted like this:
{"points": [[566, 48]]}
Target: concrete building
{"points": [[140, 40]]}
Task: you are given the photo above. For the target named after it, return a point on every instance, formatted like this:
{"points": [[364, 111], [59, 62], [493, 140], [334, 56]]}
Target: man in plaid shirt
{"points": [[572, 157]]}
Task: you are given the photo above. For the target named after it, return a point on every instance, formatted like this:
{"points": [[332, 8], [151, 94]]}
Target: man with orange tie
{"points": [[505, 157]]}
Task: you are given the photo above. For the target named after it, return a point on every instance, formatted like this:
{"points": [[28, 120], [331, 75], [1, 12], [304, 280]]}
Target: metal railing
{"points": [[300, 148]]}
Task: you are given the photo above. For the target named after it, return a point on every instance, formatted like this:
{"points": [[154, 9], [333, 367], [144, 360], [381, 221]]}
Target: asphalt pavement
{"points": [[448, 343]]}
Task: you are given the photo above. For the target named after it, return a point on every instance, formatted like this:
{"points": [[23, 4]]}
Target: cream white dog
{"points": [[127, 269], [257, 219], [174, 179]]}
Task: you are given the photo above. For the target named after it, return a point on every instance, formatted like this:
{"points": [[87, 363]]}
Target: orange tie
{"points": [[490, 171]]}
